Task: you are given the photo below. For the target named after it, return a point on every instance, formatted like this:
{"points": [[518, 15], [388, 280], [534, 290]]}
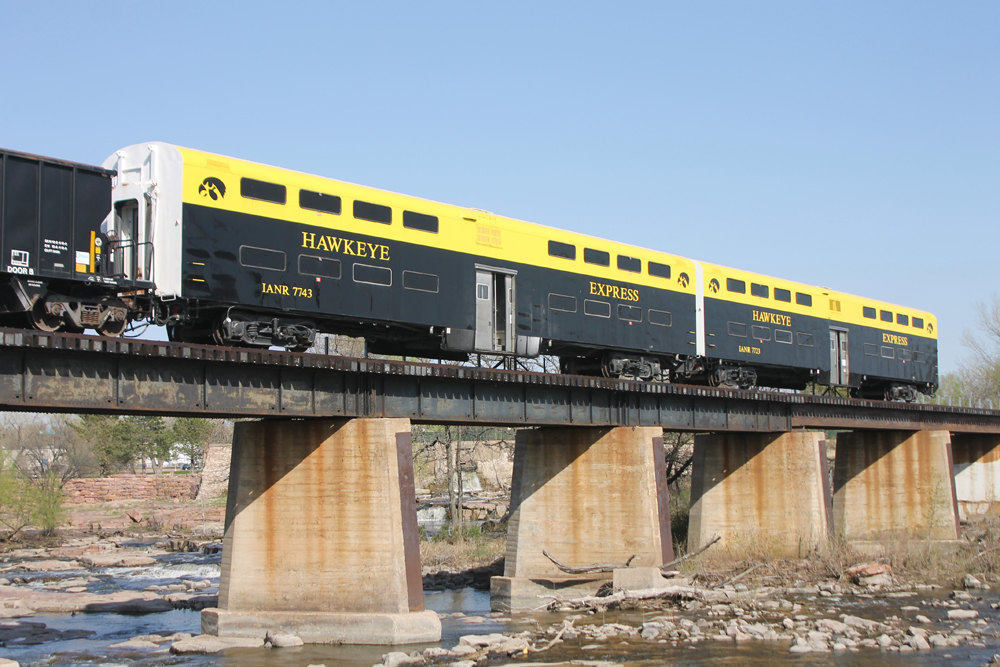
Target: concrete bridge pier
{"points": [[977, 473], [894, 484], [763, 492], [585, 495], [321, 535]]}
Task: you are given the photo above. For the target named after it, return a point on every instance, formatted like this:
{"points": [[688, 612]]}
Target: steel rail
{"points": [[56, 372]]}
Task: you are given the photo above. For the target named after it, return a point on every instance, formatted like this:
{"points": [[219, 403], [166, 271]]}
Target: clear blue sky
{"points": [[849, 144]]}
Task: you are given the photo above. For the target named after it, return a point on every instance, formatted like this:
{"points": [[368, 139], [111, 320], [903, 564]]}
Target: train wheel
{"points": [[44, 321], [112, 328]]}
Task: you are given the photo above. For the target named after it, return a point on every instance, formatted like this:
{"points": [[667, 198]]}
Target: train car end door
{"points": [[840, 366], [494, 309]]}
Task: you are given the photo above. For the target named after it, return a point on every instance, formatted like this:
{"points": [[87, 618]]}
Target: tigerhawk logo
{"points": [[713, 285], [683, 280], [212, 187], [930, 327]]}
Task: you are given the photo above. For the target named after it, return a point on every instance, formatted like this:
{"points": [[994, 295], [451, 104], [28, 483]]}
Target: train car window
{"points": [[760, 333], [658, 270], [738, 329], [871, 349], [782, 295], [317, 201], [629, 313], [482, 291], [918, 322], [835, 305], [372, 212], [373, 275], [324, 267], [885, 316], [888, 352], [760, 290], [660, 318], [805, 339], [597, 308], [904, 354], [734, 285], [420, 282], [803, 299], [421, 221], [868, 312], [902, 319], [564, 250], [782, 336], [262, 258], [562, 303], [920, 357], [262, 190], [632, 264], [599, 257]]}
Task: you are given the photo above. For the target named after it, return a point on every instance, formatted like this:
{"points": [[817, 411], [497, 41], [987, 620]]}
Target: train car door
{"points": [[494, 309], [839, 363]]}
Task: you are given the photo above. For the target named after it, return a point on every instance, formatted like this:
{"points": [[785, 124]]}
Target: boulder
{"points": [[970, 581], [134, 643], [116, 560], [962, 614], [875, 580], [6, 662], [212, 644], [282, 639], [47, 566]]}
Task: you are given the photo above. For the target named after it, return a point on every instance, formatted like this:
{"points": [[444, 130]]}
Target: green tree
{"points": [[151, 439], [191, 435], [17, 498], [112, 441]]}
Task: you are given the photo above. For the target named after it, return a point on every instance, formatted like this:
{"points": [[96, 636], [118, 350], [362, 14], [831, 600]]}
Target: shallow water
{"points": [[174, 568]]}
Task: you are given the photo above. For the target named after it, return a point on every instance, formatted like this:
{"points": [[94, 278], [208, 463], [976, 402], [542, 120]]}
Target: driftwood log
{"points": [[712, 541], [588, 569], [595, 602]]}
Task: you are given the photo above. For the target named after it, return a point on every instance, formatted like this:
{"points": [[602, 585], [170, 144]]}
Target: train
{"points": [[225, 251]]}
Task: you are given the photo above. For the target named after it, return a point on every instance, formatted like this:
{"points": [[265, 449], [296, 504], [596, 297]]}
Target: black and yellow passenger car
{"points": [[256, 255]]}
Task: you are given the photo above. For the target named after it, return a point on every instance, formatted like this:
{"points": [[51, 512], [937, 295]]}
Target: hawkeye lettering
{"points": [[894, 339], [613, 291], [772, 318], [345, 246]]}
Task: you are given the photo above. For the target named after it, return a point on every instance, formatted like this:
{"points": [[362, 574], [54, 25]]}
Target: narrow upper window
{"points": [[597, 308], [632, 264], [420, 282], [803, 299], [317, 201], [885, 316], [760, 290], [562, 302], [734, 285], [902, 319], [564, 250], [421, 221], [372, 212], [325, 267], [660, 317], [835, 305], [483, 291], [918, 322], [658, 270], [629, 313], [868, 312], [262, 258], [262, 190], [373, 275], [782, 295], [599, 257]]}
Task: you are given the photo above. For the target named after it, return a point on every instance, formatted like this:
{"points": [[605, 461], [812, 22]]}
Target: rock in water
{"points": [[971, 582], [282, 639], [212, 644]]}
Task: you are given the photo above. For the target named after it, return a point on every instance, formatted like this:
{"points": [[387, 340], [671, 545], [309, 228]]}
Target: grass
{"points": [[471, 549]]}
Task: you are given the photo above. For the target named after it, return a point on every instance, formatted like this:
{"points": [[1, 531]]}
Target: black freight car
{"points": [[58, 270]]}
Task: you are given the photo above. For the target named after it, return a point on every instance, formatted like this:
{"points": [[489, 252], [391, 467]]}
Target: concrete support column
{"points": [[894, 483], [584, 495], [760, 491], [321, 535], [977, 473]]}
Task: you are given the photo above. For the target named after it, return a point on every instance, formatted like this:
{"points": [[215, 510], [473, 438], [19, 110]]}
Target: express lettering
{"points": [[345, 246], [894, 339], [772, 318], [614, 292]]}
